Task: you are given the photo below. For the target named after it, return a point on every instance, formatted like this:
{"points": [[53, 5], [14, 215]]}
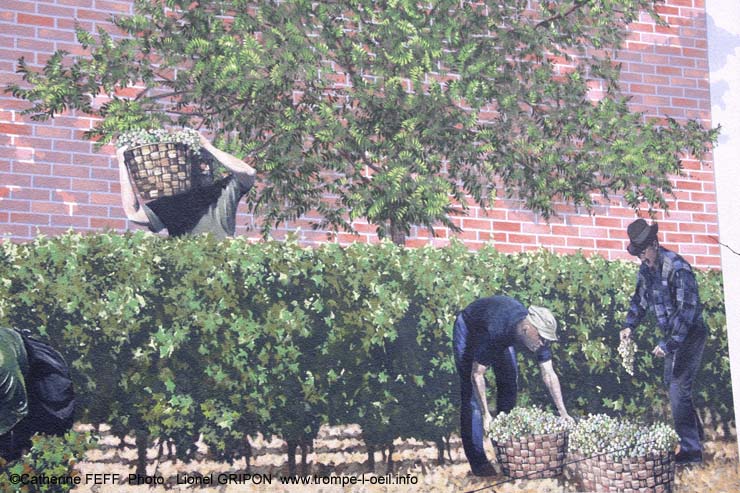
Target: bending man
{"points": [[484, 336]]}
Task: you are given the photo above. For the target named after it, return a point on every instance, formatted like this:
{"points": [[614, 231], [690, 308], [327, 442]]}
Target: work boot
{"points": [[484, 471]]}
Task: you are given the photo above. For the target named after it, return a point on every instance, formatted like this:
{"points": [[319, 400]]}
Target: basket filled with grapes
{"points": [[530, 443], [613, 454], [164, 163]]}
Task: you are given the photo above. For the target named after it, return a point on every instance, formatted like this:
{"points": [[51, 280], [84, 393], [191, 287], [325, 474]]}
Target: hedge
{"points": [[178, 338]]}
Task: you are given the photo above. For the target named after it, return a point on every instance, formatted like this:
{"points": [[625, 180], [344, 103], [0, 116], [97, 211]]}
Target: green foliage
{"points": [[190, 336], [49, 456], [394, 112]]}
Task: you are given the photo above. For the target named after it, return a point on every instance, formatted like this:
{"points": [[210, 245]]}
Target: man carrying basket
{"points": [[484, 336], [205, 209]]}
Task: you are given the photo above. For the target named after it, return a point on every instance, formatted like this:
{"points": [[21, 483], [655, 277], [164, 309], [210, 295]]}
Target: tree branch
{"points": [[562, 15]]}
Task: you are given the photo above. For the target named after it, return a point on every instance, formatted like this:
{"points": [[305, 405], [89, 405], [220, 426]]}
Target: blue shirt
{"points": [[494, 320], [673, 295]]}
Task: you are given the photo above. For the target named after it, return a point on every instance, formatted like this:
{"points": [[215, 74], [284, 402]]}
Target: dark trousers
{"points": [[679, 373], [13, 443], [471, 419]]}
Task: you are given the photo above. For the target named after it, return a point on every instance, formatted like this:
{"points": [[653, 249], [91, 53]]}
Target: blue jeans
{"points": [[679, 373], [507, 374]]}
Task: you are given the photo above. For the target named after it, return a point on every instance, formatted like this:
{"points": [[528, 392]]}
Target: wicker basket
{"points": [[161, 169], [533, 456], [646, 474]]}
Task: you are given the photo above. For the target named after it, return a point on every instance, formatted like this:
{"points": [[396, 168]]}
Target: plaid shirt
{"points": [[672, 293]]}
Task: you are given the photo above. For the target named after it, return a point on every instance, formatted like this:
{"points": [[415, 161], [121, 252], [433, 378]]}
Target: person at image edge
{"points": [[667, 286], [484, 335]]}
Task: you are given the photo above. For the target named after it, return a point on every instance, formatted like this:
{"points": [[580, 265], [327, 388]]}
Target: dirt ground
{"points": [[339, 456]]}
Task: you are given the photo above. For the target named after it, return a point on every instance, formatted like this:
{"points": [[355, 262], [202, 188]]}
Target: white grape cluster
{"points": [[627, 349], [619, 438], [524, 421], [138, 137]]}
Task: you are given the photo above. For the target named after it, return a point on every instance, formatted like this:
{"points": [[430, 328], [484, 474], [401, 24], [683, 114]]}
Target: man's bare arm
{"points": [[477, 378], [550, 378], [129, 199], [242, 171]]}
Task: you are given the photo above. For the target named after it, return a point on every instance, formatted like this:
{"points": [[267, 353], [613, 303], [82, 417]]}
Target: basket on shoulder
{"points": [[164, 163]]}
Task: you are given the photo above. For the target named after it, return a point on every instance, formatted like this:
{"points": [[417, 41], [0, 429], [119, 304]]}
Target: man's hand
{"points": [[204, 142], [625, 334], [487, 419], [567, 417], [658, 351]]}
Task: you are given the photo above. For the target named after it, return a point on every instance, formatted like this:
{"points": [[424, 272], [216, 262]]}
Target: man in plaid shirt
{"points": [[666, 284]]}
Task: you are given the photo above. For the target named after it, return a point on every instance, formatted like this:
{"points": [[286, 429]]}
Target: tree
{"points": [[394, 111]]}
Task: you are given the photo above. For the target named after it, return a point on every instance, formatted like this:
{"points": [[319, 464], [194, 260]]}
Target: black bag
{"points": [[51, 398]]}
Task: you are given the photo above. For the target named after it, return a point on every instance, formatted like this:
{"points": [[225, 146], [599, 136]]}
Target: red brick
{"points": [[29, 218], [85, 209], [72, 146], [666, 9], [55, 10], [51, 230], [520, 238], [32, 168], [15, 129], [580, 242], [35, 20], [692, 227], [15, 230], [112, 6], [655, 101], [592, 232], [551, 240], [53, 157], [690, 206], [581, 220], [528, 227], [50, 208], [67, 220], [31, 194], [503, 248], [15, 205], [91, 185], [506, 226], [703, 197], [104, 174], [704, 261], [15, 179], [72, 171], [608, 222], [479, 224], [677, 238], [610, 244], [669, 70], [51, 182], [53, 132]]}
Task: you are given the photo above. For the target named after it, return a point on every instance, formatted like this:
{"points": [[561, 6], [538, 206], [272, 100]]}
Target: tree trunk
{"points": [[292, 444], [371, 458], [398, 234], [142, 441], [304, 459], [440, 451], [389, 463], [247, 451]]}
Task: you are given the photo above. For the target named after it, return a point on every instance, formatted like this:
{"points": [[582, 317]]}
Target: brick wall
{"points": [[52, 180]]}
